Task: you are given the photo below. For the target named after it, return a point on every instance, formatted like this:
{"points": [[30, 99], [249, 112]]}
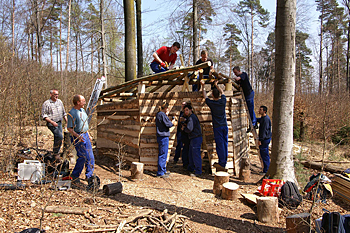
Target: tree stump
{"points": [[110, 189], [298, 223], [136, 170], [230, 191], [244, 171], [268, 209], [219, 179]]}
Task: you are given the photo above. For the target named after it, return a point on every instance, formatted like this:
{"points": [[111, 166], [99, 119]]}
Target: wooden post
{"points": [[298, 223], [268, 209], [228, 85], [110, 189], [136, 170], [230, 191], [141, 88], [219, 179]]}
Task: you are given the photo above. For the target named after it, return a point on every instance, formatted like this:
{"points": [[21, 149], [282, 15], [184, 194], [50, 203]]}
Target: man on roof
{"points": [[164, 58]]}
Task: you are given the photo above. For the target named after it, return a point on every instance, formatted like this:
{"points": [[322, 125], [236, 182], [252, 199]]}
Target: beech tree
{"points": [[282, 165]]}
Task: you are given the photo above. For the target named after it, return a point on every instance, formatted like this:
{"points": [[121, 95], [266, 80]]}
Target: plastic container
{"points": [[271, 187], [32, 170]]}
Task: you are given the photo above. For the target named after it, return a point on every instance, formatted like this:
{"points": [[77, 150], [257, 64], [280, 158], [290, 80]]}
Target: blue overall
{"points": [[221, 140], [85, 156], [250, 104], [155, 67], [264, 153], [163, 146], [195, 159]]}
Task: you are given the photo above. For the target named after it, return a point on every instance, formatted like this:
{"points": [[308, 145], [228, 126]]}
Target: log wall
{"points": [[131, 124]]}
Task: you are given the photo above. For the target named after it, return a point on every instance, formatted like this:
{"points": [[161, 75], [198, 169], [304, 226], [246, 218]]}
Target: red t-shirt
{"points": [[165, 56]]}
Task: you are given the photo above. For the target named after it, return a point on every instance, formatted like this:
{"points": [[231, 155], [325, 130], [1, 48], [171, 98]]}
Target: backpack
{"points": [[290, 196], [334, 222]]}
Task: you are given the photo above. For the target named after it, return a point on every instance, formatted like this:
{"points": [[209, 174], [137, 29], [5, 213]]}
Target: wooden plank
{"points": [[127, 104], [155, 77]]}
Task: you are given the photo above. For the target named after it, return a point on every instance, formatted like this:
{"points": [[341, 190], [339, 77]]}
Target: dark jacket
{"points": [[193, 127], [163, 124]]}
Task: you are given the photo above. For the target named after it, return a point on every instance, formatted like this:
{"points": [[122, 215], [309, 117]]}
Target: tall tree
{"points": [[254, 9], [321, 7], [103, 42], [232, 39], [283, 100], [130, 43], [139, 39], [303, 61], [346, 3], [195, 31]]}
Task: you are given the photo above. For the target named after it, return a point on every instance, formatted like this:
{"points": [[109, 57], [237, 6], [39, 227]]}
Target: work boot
{"points": [[93, 183], [219, 168]]}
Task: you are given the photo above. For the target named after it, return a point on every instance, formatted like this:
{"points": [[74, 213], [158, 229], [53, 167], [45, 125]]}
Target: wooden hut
{"points": [[126, 120]]}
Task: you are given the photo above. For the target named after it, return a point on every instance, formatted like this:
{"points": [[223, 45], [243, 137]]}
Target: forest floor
{"points": [[191, 198]]}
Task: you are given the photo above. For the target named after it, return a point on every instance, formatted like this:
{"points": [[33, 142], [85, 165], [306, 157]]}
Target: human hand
{"points": [[80, 138], [54, 124], [216, 82], [202, 82], [259, 143], [163, 64]]}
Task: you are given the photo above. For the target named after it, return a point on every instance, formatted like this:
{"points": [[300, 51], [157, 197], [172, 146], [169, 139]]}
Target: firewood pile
{"points": [[144, 221]]}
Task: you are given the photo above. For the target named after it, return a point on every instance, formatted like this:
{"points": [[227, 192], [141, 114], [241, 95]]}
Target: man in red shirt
{"points": [[165, 55]]}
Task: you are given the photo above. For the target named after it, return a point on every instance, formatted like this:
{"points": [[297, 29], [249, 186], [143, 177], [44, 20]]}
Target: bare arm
{"points": [[72, 132], [51, 121], [203, 89], [155, 56]]}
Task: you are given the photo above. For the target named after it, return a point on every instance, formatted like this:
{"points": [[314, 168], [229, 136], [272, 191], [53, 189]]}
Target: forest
{"points": [[68, 44]]}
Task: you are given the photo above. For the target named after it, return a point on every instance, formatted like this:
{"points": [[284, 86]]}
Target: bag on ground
{"points": [[290, 195]]}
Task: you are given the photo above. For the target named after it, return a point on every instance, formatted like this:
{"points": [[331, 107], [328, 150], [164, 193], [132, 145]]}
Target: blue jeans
{"points": [[194, 156], [155, 67], [57, 136], [85, 157], [178, 146], [221, 140], [264, 153], [250, 104], [163, 146]]}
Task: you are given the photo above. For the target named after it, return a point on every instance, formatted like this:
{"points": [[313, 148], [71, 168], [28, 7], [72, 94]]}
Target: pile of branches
{"points": [[146, 221]]}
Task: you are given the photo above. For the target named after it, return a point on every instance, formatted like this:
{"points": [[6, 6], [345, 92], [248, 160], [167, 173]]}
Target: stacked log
{"points": [[132, 123], [341, 186], [118, 129]]}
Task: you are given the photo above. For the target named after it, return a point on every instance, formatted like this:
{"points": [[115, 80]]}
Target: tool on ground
{"points": [[94, 97]]}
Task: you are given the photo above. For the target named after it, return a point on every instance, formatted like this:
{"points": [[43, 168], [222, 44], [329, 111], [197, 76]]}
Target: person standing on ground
{"points": [[193, 128], [243, 80], [163, 124], [218, 112], [179, 145], [206, 71], [164, 58], [78, 128], [53, 113], [264, 137]]}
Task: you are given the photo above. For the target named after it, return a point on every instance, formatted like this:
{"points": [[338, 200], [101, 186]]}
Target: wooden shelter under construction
{"points": [[126, 121]]}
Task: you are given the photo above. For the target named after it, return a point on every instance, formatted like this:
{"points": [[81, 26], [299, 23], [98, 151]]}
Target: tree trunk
{"points": [[252, 47], [68, 36], [130, 43], [103, 47], [348, 59], [320, 86], [195, 29], [282, 166], [139, 39], [13, 28], [38, 30], [61, 65], [92, 57]]}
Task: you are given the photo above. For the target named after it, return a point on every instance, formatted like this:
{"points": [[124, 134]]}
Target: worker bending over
{"points": [[164, 58]]}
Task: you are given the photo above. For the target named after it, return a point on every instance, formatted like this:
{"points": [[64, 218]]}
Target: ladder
{"points": [[94, 97], [253, 130]]}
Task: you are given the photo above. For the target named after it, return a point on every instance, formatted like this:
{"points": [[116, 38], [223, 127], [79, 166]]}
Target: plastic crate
{"points": [[271, 187]]}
